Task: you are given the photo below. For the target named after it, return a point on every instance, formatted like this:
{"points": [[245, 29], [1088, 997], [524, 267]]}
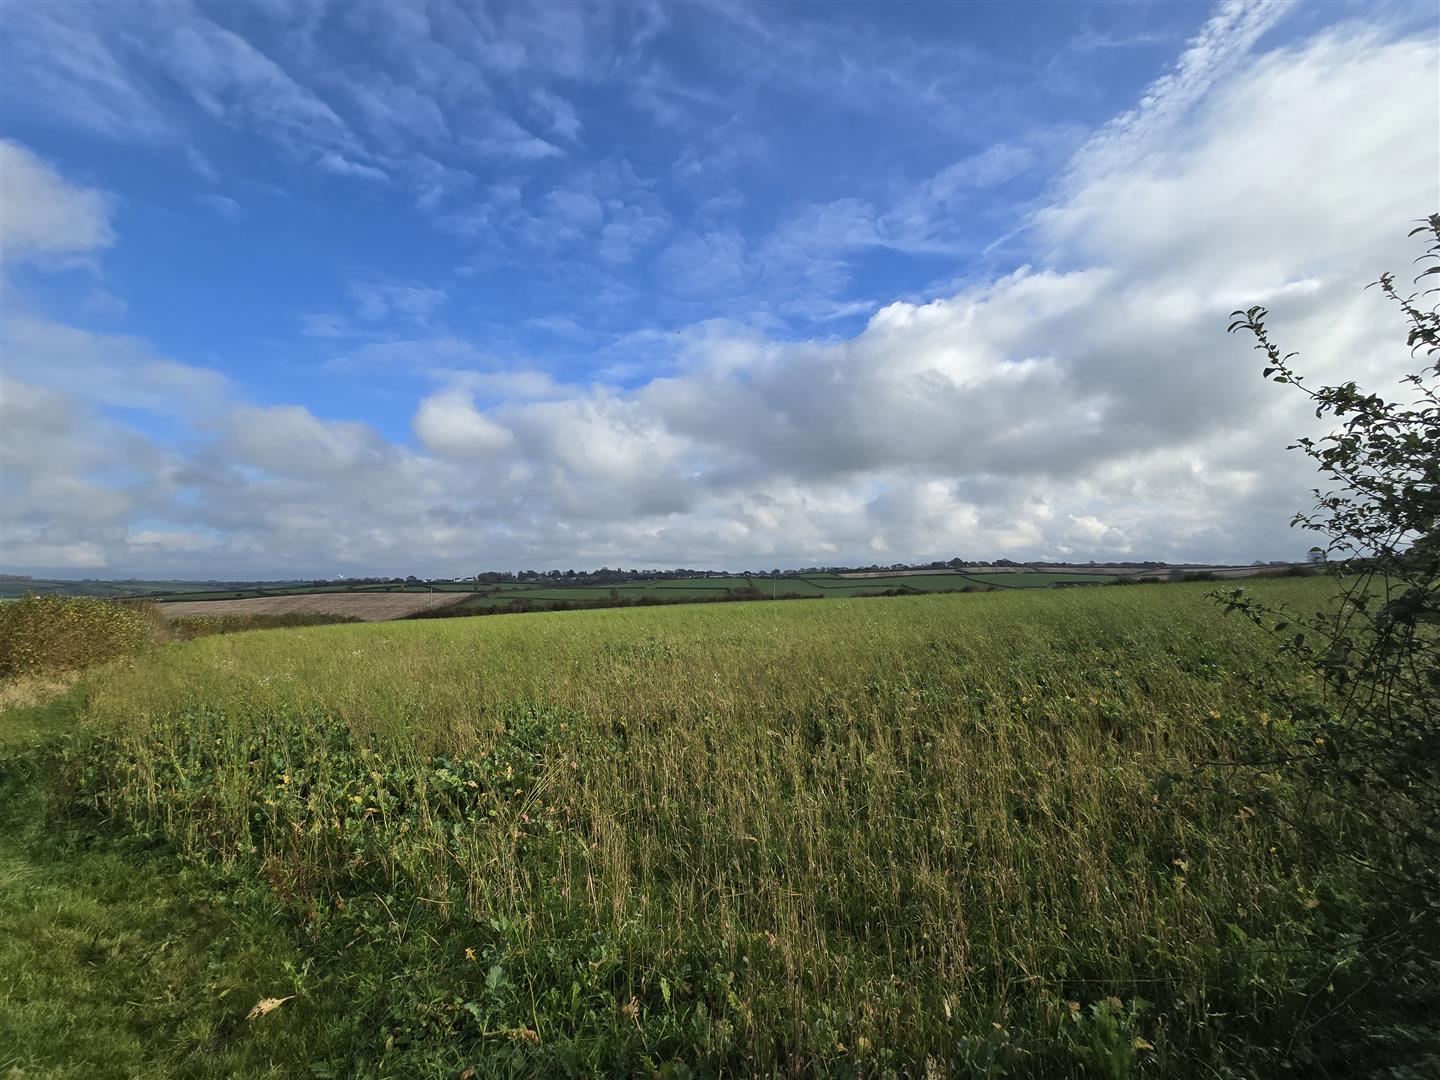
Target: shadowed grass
{"points": [[117, 962]]}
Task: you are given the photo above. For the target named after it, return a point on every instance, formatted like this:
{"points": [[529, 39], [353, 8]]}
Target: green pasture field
{"points": [[949, 835]]}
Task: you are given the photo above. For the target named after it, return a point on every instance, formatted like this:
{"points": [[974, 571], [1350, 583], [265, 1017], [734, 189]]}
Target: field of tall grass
{"points": [[938, 836]]}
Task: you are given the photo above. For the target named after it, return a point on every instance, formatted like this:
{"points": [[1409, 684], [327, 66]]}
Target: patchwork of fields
{"points": [[460, 597], [367, 607]]}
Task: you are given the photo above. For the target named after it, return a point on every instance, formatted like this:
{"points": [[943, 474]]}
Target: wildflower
{"points": [[470, 955]]}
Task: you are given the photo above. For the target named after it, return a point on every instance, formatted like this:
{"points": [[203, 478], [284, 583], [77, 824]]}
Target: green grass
{"points": [[117, 961], [13, 590], [953, 835]]}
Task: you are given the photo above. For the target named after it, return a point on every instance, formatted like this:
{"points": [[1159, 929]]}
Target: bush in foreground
{"points": [[47, 634], [1371, 739], [189, 627]]}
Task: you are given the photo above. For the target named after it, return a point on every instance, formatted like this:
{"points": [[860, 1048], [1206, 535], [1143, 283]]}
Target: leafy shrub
{"points": [[1371, 738], [41, 634]]}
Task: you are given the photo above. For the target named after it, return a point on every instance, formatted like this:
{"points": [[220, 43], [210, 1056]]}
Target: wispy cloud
{"points": [[226, 207]]}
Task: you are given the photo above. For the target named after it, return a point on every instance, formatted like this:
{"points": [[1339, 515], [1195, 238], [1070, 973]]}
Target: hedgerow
{"points": [[47, 634]]}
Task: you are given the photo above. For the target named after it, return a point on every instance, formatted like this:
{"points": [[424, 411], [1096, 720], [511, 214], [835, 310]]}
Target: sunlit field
{"points": [[946, 835]]}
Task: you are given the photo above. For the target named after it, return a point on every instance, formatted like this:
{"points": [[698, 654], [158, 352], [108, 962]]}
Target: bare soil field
{"points": [[369, 607]]}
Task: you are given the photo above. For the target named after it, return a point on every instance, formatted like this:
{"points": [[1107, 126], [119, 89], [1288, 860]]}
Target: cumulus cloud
{"points": [[109, 369], [43, 214], [69, 477], [450, 426]]}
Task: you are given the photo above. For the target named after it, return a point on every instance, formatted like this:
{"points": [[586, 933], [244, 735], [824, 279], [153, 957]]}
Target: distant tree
{"points": [[1370, 743]]}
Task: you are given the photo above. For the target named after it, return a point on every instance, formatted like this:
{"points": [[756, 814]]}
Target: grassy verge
{"points": [[117, 961]]}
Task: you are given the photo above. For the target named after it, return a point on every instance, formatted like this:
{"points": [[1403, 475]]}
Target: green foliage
{"points": [[832, 839], [189, 627], [1370, 740], [44, 634], [117, 962]]}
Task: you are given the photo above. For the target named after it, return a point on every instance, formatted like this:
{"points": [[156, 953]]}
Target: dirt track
{"points": [[370, 607]]}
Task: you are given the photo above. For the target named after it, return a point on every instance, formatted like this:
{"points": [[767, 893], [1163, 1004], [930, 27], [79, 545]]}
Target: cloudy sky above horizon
{"points": [[299, 288]]}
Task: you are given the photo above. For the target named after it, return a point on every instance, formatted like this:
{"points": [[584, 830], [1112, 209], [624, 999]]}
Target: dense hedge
{"points": [[188, 627], [41, 634]]}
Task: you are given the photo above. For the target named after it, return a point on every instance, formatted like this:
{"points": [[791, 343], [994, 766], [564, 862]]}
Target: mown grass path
{"points": [[114, 960]]}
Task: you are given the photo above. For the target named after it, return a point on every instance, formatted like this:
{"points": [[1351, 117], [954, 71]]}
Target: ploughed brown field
{"points": [[369, 607]]}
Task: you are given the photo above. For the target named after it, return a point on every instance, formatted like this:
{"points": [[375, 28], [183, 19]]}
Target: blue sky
{"points": [[429, 287]]}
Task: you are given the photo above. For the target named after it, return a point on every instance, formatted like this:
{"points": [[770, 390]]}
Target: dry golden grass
{"points": [[30, 690], [368, 607]]}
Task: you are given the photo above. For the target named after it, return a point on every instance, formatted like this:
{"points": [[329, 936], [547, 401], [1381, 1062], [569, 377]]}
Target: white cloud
{"points": [[376, 300], [69, 69], [223, 205], [165, 544], [559, 113], [339, 165], [505, 139], [42, 214], [394, 112], [289, 441], [450, 426], [103, 67], [109, 369]]}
